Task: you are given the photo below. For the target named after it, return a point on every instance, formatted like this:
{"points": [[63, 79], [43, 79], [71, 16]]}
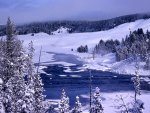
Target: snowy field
{"points": [[63, 42], [111, 101]]}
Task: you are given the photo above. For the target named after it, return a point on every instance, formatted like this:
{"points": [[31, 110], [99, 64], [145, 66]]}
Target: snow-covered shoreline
{"points": [[64, 42], [108, 63], [109, 101]]}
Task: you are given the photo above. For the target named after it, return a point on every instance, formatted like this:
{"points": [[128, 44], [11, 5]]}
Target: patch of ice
{"points": [[63, 75], [75, 76]]}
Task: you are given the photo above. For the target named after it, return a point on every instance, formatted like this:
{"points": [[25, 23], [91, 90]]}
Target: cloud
{"points": [[23, 11]]}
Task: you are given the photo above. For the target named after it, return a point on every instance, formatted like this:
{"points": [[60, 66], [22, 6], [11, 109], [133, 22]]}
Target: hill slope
{"points": [[64, 42], [76, 26]]}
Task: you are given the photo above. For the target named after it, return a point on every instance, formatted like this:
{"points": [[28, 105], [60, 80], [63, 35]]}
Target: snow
{"points": [[63, 75], [109, 101], [75, 76], [63, 42], [62, 63], [108, 63], [1, 81], [61, 30], [68, 70]]}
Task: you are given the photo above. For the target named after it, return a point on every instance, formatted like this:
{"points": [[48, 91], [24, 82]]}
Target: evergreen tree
{"points": [[136, 81], [9, 52], [38, 95], [64, 103], [19, 96], [15, 94], [147, 65], [2, 43], [77, 108], [13, 71], [34, 89], [97, 106], [138, 105], [30, 75], [15, 91], [82, 49], [2, 110]]}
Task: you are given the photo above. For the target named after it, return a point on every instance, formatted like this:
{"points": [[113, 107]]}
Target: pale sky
{"points": [[24, 11]]}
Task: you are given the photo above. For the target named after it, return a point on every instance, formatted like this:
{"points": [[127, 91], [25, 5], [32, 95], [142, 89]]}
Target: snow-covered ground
{"points": [[110, 101], [61, 30], [63, 42], [108, 63]]}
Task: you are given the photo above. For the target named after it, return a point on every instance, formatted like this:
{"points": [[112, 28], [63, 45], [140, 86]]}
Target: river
{"points": [[76, 82]]}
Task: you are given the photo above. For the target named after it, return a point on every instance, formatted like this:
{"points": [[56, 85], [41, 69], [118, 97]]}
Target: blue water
{"points": [[80, 85]]}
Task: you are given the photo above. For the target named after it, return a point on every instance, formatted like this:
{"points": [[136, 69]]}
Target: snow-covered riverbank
{"points": [[111, 101], [64, 42], [108, 63]]}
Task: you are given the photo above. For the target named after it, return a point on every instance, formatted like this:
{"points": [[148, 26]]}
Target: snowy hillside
{"points": [[61, 30], [64, 42]]}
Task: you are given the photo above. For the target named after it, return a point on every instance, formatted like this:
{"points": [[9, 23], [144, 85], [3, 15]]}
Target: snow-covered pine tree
{"points": [[15, 87], [2, 110], [147, 55], [15, 94], [148, 63], [97, 106], [78, 106], [30, 75], [13, 71], [136, 81], [138, 105], [38, 95], [34, 94], [9, 51], [64, 103], [1, 57]]}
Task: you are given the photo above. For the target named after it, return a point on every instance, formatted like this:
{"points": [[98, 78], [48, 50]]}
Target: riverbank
{"points": [[111, 101], [108, 63]]}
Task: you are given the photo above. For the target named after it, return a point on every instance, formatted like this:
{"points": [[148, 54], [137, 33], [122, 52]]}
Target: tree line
{"points": [[21, 88], [135, 46], [75, 26], [82, 49]]}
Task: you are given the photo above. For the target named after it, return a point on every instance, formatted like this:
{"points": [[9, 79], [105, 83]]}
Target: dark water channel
{"points": [[77, 82]]}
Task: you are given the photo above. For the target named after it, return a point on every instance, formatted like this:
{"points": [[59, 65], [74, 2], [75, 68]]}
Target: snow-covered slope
{"points": [[61, 30], [64, 42]]}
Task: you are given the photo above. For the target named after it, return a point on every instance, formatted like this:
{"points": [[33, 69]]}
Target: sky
{"points": [[25, 11]]}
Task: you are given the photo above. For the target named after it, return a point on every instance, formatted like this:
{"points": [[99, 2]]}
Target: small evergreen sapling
{"points": [[78, 106], [1, 97], [97, 106], [64, 103], [138, 105], [136, 81]]}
